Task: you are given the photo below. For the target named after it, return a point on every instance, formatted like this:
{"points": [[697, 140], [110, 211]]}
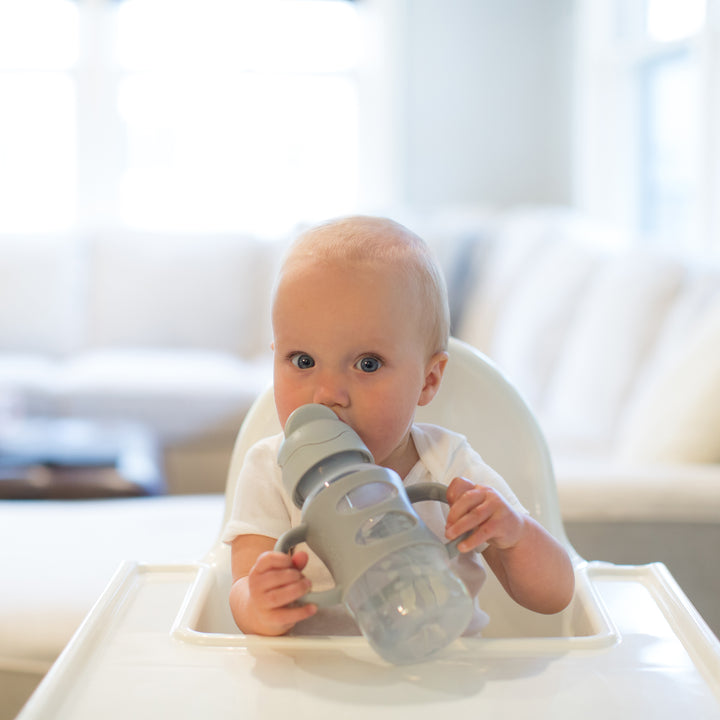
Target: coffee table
{"points": [[71, 458]]}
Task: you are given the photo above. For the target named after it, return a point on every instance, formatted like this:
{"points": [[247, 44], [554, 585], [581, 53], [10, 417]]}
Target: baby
{"points": [[360, 325]]}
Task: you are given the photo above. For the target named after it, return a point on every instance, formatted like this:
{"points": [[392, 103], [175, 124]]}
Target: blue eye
{"points": [[368, 364], [302, 361]]}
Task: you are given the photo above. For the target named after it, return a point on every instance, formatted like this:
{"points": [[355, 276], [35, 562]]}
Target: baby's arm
{"points": [[532, 566], [265, 584]]}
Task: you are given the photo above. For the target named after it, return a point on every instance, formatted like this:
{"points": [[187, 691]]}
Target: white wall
{"points": [[480, 92]]}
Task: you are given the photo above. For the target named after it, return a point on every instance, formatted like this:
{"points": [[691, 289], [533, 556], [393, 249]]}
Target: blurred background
{"points": [[156, 155], [561, 156], [232, 115]]}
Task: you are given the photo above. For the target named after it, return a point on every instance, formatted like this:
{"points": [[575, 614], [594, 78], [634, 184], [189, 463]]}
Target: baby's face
{"points": [[352, 340]]}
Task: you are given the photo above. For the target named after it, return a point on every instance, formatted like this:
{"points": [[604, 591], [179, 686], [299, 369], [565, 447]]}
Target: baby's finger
{"points": [[457, 487], [278, 596], [473, 497], [474, 520], [477, 540], [293, 614], [300, 559], [272, 560], [275, 581]]}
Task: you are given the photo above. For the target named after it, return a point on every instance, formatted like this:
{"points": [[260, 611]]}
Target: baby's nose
{"points": [[331, 390]]}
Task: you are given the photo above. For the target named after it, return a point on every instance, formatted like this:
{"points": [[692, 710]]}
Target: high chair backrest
{"points": [[476, 400]]}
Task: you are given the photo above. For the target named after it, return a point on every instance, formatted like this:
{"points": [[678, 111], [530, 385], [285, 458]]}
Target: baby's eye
{"points": [[302, 361], [368, 364]]}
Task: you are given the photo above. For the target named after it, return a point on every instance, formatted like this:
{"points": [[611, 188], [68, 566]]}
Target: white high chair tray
{"points": [[660, 661]]}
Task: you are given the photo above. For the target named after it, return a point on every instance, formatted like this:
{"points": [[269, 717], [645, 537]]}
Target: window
{"points": [[648, 98], [177, 115], [669, 124], [38, 170]]}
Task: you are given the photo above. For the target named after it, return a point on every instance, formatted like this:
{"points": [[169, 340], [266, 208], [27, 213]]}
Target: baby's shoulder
{"points": [[264, 450], [434, 438]]}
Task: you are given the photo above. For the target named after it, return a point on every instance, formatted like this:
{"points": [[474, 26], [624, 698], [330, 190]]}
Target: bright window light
{"points": [[38, 34], [38, 167], [243, 116], [670, 126], [37, 152], [272, 151], [668, 20], [177, 115], [265, 35]]}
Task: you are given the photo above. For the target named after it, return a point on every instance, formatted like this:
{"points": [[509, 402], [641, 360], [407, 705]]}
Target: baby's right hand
{"points": [[274, 583]]}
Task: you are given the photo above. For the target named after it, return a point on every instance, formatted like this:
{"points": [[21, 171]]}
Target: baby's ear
{"points": [[433, 376]]}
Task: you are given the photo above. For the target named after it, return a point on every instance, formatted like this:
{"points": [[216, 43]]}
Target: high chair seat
{"points": [[161, 640]]}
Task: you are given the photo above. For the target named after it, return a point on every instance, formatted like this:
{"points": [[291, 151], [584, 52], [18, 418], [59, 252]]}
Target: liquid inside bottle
{"points": [[410, 605]]}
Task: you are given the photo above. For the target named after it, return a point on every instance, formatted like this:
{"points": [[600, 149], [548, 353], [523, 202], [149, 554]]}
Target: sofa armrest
{"points": [[596, 491]]}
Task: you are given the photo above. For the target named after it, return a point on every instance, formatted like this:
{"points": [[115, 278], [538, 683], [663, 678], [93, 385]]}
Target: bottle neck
{"points": [[328, 470]]}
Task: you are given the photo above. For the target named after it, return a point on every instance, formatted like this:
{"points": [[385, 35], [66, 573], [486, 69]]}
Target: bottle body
{"points": [[410, 604], [391, 572]]}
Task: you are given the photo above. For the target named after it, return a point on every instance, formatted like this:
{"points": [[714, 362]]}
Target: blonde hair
{"points": [[361, 240]]}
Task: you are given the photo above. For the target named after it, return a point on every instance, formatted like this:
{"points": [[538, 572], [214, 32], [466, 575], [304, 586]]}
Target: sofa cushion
{"points": [[499, 268], [41, 294], [181, 292], [27, 384], [511, 253], [675, 419], [616, 323], [534, 319], [610, 490], [179, 394]]}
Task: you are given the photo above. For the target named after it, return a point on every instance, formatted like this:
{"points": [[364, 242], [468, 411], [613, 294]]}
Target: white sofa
{"points": [[170, 332], [617, 352]]}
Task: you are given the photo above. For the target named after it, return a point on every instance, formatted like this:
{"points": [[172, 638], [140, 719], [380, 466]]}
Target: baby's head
{"points": [[383, 245], [360, 324]]}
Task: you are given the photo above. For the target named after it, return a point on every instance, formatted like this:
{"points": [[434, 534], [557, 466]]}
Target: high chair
{"points": [[161, 642]]}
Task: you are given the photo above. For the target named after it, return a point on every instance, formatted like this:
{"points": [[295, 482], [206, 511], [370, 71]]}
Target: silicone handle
{"points": [[437, 492], [327, 598], [285, 543]]}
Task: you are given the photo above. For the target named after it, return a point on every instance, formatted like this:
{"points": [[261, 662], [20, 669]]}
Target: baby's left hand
{"points": [[483, 511]]}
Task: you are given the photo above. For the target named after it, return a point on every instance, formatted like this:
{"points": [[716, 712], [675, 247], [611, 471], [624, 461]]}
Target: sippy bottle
{"points": [[390, 570]]}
